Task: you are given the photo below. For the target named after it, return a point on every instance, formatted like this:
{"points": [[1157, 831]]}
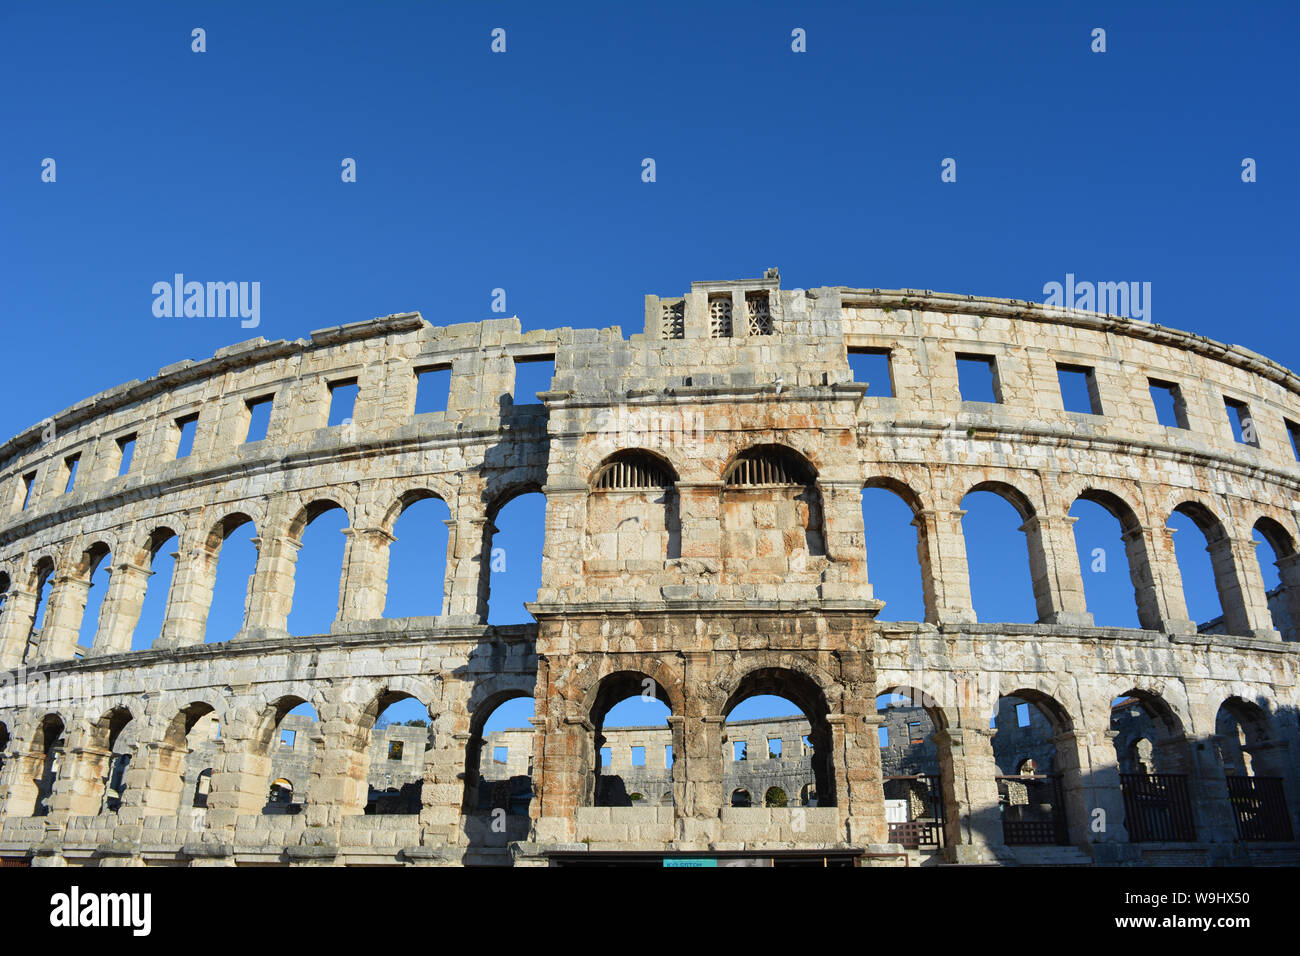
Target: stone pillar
{"points": [[1248, 584], [338, 786], [1241, 615], [1159, 565], [563, 773], [701, 534], [121, 608], [697, 775], [469, 548], [446, 781], [79, 789], [63, 620], [193, 580], [272, 594], [1208, 789], [864, 785], [365, 574], [967, 773], [153, 783], [1288, 569], [1148, 595], [1273, 758], [20, 781], [16, 626], [1054, 566], [941, 548], [239, 775], [1090, 782], [845, 537]]}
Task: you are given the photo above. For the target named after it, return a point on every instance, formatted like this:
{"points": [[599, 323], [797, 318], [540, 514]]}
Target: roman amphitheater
{"points": [[704, 544]]}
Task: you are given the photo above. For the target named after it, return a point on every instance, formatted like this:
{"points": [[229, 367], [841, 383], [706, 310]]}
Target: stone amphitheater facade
{"points": [[704, 543]]}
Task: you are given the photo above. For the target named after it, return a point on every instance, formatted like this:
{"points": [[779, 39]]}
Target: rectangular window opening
{"points": [[395, 749], [29, 482], [914, 732], [1293, 432], [70, 469], [606, 757], [343, 401], [1079, 389], [977, 379], [432, 389], [638, 756], [500, 754], [738, 750], [1243, 426], [1171, 410], [774, 748], [668, 755], [259, 417], [873, 368], [287, 738], [883, 734], [125, 452], [187, 426], [533, 374], [1022, 715]]}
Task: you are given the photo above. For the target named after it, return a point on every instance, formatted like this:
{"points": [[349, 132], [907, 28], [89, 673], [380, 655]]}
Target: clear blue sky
{"points": [[522, 170]]}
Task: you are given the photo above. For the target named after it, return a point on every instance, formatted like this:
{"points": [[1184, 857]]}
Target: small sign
{"points": [[691, 861]]}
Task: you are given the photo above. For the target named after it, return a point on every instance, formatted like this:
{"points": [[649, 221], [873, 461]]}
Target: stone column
{"points": [[563, 772], [365, 574], [469, 548], [1272, 758], [1241, 587], [1089, 782], [63, 620], [193, 580], [121, 608], [697, 776], [338, 786], [1288, 568], [79, 789], [941, 548], [701, 526], [153, 783], [566, 527], [1208, 789], [863, 789], [239, 775], [446, 781], [845, 537], [967, 772], [16, 626], [1148, 594], [1159, 565], [272, 594], [1054, 566]]}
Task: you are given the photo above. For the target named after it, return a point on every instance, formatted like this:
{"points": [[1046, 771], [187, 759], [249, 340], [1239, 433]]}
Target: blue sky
{"points": [[522, 170]]}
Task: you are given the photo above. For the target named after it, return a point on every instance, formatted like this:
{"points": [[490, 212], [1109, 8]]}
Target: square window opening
{"points": [[977, 379], [343, 401], [533, 375], [1079, 389], [432, 389], [874, 368], [287, 738], [638, 756], [1171, 410], [259, 417]]}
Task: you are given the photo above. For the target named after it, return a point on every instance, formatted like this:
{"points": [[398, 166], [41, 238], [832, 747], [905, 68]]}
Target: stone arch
{"points": [[602, 694], [1039, 568], [899, 487], [772, 516], [482, 794], [349, 766], [642, 468], [632, 511], [1141, 571], [40, 582], [896, 574], [1283, 603], [406, 586], [501, 493], [314, 508], [1223, 564], [109, 761], [1034, 808], [1008, 493], [37, 768], [410, 496], [801, 688], [310, 511]]}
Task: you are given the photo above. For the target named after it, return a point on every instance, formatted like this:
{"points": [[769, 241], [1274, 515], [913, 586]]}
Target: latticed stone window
{"points": [[759, 310], [674, 320], [633, 470], [768, 466], [720, 316]]}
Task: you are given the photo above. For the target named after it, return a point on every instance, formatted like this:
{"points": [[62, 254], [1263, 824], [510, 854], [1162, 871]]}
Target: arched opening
{"points": [[417, 557], [1154, 762], [4, 746], [633, 741], [774, 797], [94, 568], [910, 769], [633, 518], [46, 755], [516, 531], [499, 769], [4, 589], [1275, 551], [318, 572], [398, 745], [1001, 584], [895, 551], [232, 552], [1254, 767], [1196, 531], [42, 580], [771, 516], [159, 556], [741, 798], [1031, 791], [776, 731], [292, 745], [183, 775], [1109, 585], [112, 744]]}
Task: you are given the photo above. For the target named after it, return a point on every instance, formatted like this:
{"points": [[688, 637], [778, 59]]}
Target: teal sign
{"points": [[696, 861]]}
